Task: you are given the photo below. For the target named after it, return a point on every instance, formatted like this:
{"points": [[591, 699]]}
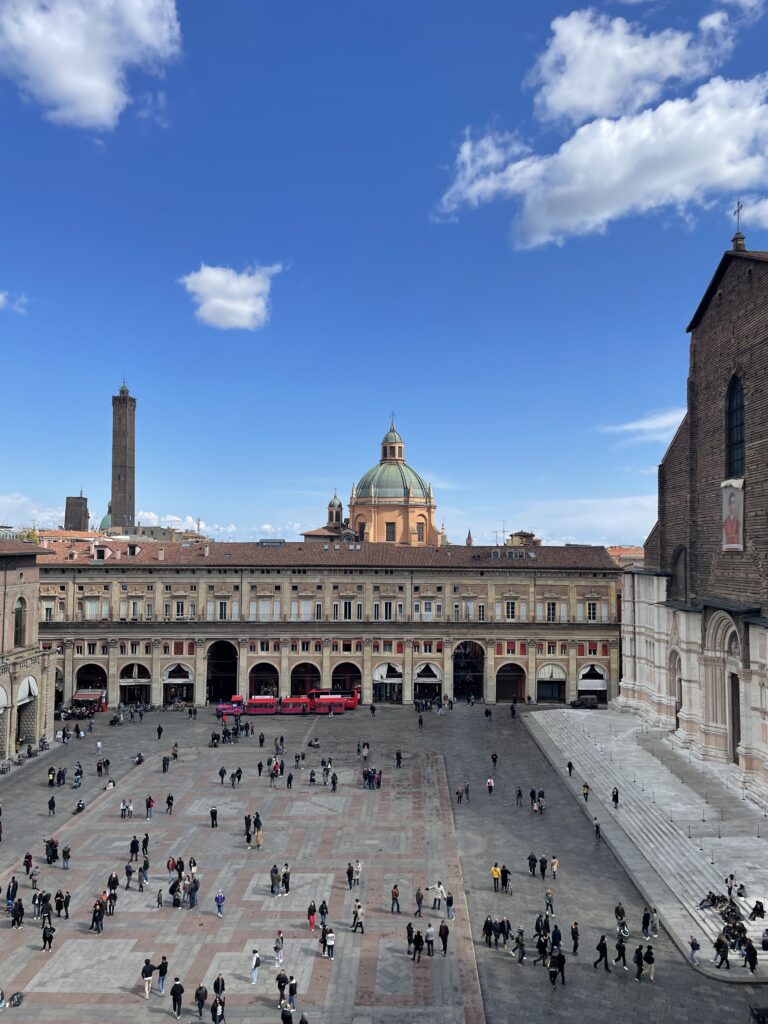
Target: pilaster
{"points": [[408, 672], [367, 689], [489, 689]]}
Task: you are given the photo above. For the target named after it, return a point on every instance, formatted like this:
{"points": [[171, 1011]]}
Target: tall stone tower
{"points": [[123, 460]]}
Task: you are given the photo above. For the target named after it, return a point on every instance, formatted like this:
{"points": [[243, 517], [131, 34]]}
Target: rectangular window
{"points": [[178, 647], [222, 611], [123, 609], [253, 610], [551, 647], [551, 611], [523, 611], [318, 611], [416, 610], [510, 646], [209, 611], [347, 610], [563, 611], [457, 613], [604, 651], [48, 613], [427, 611], [192, 609], [91, 648], [523, 647], [264, 646], [335, 614], [591, 611], [388, 611], [235, 611], [167, 609], [376, 611], [92, 608], [510, 610], [469, 611], [294, 611], [603, 611], [390, 533], [305, 646], [179, 609], [359, 611], [148, 610], [497, 611], [580, 611], [420, 532], [563, 650], [580, 650], [399, 610], [306, 609], [499, 650], [481, 613], [427, 646], [387, 647], [592, 648], [539, 611], [134, 647]]}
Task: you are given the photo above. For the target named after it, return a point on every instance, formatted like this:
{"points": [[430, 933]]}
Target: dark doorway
{"points": [[735, 716], [468, 671], [58, 697], [387, 684], [346, 677], [263, 680], [91, 677], [510, 683], [427, 684], [222, 671], [178, 686], [305, 677], [592, 683]]}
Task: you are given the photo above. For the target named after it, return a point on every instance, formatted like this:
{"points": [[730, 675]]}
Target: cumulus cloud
{"points": [[230, 300], [73, 56], [655, 427], [22, 512], [597, 66], [662, 157]]}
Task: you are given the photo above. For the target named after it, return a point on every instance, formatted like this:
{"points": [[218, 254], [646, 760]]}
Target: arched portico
{"points": [[510, 683], [221, 677], [387, 684], [550, 684], [593, 681], [263, 680], [468, 670], [304, 677], [135, 684], [427, 681], [178, 684]]}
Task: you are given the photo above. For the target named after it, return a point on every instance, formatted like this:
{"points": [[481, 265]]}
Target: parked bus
{"points": [[261, 706], [295, 706], [351, 698], [324, 703]]}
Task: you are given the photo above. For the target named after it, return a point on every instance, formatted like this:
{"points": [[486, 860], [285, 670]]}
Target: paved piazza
{"points": [[411, 831]]}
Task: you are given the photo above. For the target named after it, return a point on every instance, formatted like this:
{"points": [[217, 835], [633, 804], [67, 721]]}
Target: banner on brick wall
{"points": [[733, 515]]}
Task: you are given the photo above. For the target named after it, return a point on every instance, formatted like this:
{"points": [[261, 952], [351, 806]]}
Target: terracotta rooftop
{"points": [[628, 551], [20, 548], [333, 554]]}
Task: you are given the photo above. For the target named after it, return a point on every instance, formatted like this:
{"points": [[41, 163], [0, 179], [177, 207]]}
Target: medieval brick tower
{"points": [[123, 460]]}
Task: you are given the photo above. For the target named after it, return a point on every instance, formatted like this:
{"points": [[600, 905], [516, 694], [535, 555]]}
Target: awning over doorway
{"points": [[27, 690], [88, 695]]}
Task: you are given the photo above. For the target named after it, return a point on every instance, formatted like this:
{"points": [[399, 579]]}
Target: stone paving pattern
{"points": [[407, 831]]}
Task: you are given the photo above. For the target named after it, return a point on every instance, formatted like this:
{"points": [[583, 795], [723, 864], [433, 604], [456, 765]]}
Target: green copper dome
{"points": [[106, 522], [391, 480], [392, 436], [334, 502]]}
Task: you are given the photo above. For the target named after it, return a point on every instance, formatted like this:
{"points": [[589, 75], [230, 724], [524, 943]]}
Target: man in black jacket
{"points": [[177, 991], [602, 950]]}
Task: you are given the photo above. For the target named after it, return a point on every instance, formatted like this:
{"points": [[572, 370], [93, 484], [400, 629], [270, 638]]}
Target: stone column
{"points": [[285, 674], [242, 668], [113, 685], [573, 682], [408, 672], [531, 681], [325, 667], [613, 670], [201, 682], [367, 689], [448, 669], [156, 693], [69, 671], [489, 690]]}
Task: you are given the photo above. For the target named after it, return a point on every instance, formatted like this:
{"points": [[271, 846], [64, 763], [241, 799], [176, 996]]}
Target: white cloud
{"points": [[20, 511], [228, 299], [597, 66], [657, 426], [660, 158], [73, 56], [13, 303]]}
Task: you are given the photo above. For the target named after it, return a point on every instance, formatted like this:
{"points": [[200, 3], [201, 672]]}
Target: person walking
{"points": [[695, 946], [554, 866], [359, 919], [496, 876], [575, 938], [159, 733], [637, 960], [443, 932], [585, 792], [323, 912], [553, 970], [466, 790], [569, 766], [449, 905], [52, 807], [255, 965], [615, 798], [201, 998], [602, 950], [543, 864], [217, 1011], [146, 976], [162, 973], [418, 946], [357, 871], [429, 938], [549, 906], [169, 807], [311, 912], [220, 987], [214, 813], [519, 797], [646, 923], [219, 900], [532, 863], [395, 894], [278, 947], [48, 932], [596, 827], [419, 897], [621, 952], [519, 947], [439, 894], [649, 962], [490, 784], [293, 989], [281, 980], [177, 991], [654, 922], [330, 942]]}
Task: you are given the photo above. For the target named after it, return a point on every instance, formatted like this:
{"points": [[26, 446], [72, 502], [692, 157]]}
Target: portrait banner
{"points": [[733, 515]]}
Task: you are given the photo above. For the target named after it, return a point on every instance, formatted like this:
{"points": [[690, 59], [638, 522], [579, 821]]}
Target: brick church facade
{"points": [[695, 617]]}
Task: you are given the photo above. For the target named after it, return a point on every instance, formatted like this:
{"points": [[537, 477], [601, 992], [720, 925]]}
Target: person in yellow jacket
{"points": [[496, 875]]}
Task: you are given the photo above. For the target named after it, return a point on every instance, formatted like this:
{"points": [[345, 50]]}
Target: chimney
{"points": [[160, 554], [206, 551], [739, 242], [118, 553]]}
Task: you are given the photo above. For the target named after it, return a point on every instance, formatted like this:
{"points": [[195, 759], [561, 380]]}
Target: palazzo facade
{"points": [[200, 621], [695, 617]]}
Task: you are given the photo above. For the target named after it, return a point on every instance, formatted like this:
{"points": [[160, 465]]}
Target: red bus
{"points": [[324, 703], [261, 706], [230, 707], [295, 706], [351, 698]]}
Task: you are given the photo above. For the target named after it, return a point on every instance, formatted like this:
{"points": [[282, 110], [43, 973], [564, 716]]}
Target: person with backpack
{"points": [[602, 950], [649, 961]]}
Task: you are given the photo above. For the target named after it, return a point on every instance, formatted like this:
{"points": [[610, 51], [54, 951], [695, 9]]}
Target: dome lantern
{"points": [[392, 446]]}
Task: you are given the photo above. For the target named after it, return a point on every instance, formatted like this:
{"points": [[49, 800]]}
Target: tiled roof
{"points": [[19, 548], [338, 555], [629, 551]]}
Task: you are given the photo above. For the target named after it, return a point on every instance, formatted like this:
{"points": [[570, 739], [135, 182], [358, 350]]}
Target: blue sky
{"points": [[279, 221]]}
